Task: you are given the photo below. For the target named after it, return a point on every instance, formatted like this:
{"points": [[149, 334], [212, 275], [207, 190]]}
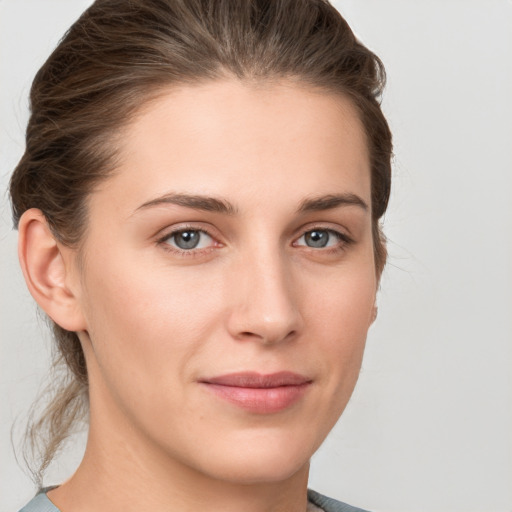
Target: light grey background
{"points": [[430, 425]]}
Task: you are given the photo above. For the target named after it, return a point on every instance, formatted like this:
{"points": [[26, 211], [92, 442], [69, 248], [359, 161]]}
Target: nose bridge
{"points": [[266, 304]]}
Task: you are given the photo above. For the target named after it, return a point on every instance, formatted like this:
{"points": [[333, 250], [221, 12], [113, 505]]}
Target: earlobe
{"points": [[374, 314], [47, 271]]}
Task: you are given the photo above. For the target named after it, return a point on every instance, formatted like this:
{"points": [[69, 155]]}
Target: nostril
{"points": [[248, 334], [268, 338]]}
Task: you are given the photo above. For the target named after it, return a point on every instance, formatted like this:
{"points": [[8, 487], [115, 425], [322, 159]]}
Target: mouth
{"points": [[258, 393]]}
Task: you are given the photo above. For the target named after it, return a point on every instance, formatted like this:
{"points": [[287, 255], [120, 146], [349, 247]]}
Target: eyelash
{"points": [[344, 241]]}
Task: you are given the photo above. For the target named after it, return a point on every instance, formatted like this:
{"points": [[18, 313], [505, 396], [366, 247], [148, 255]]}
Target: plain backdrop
{"points": [[429, 427]]}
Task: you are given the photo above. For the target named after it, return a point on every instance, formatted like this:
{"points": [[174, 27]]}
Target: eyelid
{"points": [[338, 230], [172, 229]]}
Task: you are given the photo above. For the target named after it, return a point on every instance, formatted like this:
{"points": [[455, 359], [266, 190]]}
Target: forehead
{"points": [[250, 141]]}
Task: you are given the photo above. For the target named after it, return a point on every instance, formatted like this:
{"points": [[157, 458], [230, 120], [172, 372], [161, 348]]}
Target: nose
{"points": [[266, 300]]}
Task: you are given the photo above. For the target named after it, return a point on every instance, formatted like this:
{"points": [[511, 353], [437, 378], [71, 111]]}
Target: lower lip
{"points": [[260, 400]]}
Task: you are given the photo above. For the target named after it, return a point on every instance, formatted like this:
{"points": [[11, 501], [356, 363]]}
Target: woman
{"points": [[198, 211]]}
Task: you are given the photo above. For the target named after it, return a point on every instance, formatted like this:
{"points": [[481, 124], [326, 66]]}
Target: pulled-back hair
{"points": [[119, 55]]}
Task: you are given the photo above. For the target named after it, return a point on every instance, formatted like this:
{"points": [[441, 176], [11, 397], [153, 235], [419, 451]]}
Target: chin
{"points": [[250, 472], [270, 460]]}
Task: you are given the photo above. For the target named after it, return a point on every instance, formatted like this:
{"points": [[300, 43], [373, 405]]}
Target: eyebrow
{"points": [[196, 202], [217, 205], [330, 202]]}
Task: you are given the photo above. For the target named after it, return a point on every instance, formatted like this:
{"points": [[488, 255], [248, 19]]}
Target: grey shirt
{"points": [[41, 503]]}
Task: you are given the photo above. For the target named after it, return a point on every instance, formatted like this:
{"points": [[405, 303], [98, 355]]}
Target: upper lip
{"points": [[258, 380]]}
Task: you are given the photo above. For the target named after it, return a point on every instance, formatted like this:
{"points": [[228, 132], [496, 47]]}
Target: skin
{"points": [[154, 321]]}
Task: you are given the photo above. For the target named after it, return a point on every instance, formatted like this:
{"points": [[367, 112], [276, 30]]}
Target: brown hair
{"points": [[119, 55]]}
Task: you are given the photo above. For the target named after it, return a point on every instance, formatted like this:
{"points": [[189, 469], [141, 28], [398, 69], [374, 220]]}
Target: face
{"points": [[228, 278]]}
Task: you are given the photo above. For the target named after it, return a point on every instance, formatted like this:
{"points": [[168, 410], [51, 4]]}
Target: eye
{"points": [[321, 238], [188, 239]]}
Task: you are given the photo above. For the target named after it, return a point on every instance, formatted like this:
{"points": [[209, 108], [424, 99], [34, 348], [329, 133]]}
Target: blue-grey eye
{"points": [[319, 238], [188, 239]]}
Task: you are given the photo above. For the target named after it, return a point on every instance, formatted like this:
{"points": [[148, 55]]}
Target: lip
{"points": [[259, 393]]}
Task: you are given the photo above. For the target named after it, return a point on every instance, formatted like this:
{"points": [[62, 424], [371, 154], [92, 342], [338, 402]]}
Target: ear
{"points": [[49, 271], [374, 314]]}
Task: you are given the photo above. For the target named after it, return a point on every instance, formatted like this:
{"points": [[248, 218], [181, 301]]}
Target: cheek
{"points": [[150, 320], [344, 303], [342, 315]]}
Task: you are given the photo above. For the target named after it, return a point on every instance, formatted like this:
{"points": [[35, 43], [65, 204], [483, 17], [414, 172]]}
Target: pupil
{"points": [[187, 239], [317, 238]]}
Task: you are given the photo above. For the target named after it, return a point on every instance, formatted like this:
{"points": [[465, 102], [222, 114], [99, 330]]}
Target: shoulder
{"points": [[40, 503], [330, 504]]}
